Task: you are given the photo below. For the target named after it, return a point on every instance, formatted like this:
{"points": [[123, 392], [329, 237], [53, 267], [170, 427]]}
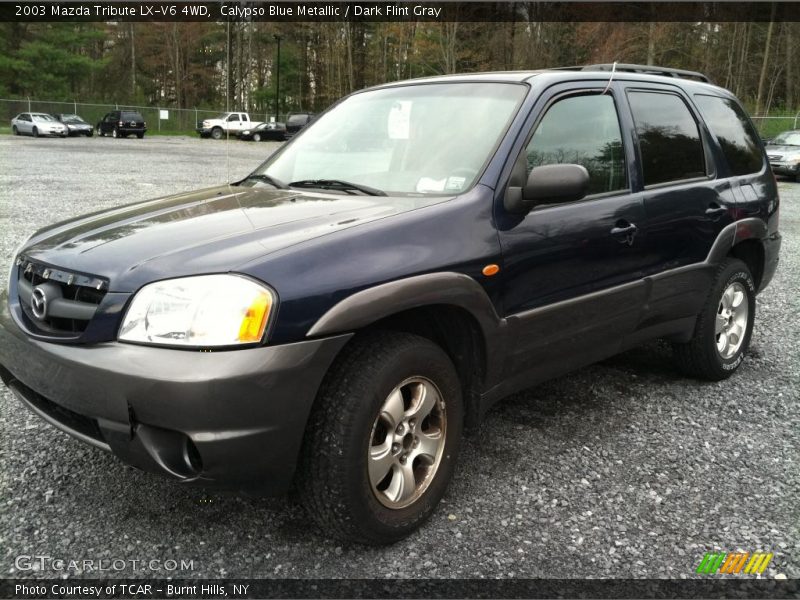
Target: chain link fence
{"points": [[166, 120], [771, 125], [183, 120]]}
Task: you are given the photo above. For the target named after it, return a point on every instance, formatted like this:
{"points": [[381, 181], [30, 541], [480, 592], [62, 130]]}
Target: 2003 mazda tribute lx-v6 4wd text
{"points": [[332, 323]]}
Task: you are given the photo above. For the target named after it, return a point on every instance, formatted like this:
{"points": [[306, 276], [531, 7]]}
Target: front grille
{"points": [[56, 301]]}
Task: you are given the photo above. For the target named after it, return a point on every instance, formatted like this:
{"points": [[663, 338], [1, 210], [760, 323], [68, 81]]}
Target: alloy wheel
{"points": [[730, 325], [407, 443]]}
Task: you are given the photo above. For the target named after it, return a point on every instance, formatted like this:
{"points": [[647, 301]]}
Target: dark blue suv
{"points": [[334, 321]]}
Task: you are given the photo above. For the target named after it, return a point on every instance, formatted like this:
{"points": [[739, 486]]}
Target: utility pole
{"points": [[277, 77], [133, 64]]}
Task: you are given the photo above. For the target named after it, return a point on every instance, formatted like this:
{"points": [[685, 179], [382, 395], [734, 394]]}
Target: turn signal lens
{"points": [[255, 319]]}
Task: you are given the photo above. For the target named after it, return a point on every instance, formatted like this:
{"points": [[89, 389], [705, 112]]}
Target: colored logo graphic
{"points": [[734, 563]]}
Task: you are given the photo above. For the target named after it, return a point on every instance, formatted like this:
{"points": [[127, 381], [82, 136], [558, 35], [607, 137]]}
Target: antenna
{"points": [[611, 78]]}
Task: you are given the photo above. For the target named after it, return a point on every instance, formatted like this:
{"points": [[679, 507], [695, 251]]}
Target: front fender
{"points": [[451, 289]]}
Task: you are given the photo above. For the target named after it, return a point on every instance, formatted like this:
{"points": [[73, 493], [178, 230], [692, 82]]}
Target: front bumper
{"points": [[782, 168], [231, 419], [80, 130]]}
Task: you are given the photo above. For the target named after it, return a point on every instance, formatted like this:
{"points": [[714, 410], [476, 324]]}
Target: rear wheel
{"points": [[140, 135], [724, 326], [14, 130], [114, 133], [383, 438]]}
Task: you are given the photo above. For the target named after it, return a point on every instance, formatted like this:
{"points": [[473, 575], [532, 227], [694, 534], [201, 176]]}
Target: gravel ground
{"points": [[623, 469]]}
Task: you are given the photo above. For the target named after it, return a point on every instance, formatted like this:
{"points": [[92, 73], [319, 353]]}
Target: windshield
{"points": [[787, 138], [407, 140], [72, 119], [42, 117]]}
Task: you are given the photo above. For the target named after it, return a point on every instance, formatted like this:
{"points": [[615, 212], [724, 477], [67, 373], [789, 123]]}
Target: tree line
{"points": [[235, 64]]}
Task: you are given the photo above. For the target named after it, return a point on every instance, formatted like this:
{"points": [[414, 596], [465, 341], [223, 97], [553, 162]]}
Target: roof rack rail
{"points": [[646, 69]]}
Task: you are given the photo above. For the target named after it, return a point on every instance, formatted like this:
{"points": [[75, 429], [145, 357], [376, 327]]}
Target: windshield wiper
{"points": [[336, 184], [277, 183]]}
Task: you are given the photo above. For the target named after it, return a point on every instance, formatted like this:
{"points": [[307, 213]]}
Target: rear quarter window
{"points": [[736, 136], [669, 139]]}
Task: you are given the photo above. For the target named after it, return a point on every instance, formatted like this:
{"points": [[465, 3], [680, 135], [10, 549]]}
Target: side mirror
{"points": [[548, 184]]}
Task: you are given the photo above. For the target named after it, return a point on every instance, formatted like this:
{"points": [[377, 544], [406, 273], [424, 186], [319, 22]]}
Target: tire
{"points": [[256, 137], [114, 133], [216, 133], [35, 132], [89, 133], [724, 326], [140, 135], [351, 421], [14, 130]]}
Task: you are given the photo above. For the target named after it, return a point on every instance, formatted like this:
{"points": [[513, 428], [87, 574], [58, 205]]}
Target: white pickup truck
{"points": [[229, 123]]}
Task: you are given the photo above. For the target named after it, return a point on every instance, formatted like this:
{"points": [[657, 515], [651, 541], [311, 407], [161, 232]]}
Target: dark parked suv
{"points": [[297, 121], [334, 321], [122, 123]]}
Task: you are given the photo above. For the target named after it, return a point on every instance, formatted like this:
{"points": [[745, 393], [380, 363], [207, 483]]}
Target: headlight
{"points": [[201, 311]]}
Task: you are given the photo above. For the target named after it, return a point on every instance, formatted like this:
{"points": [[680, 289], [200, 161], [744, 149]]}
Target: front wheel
{"points": [[114, 133], [724, 326], [140, 135], [256, 137], [35, 132], [216, 133], [14, 130], [383, 438]]}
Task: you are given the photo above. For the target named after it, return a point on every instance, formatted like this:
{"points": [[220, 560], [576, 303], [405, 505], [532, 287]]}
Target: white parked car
{"points": [[37, 124]]}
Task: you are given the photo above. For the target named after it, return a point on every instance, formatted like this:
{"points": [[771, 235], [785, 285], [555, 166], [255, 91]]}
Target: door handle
{"points": [[624, 231], [715, 210]]}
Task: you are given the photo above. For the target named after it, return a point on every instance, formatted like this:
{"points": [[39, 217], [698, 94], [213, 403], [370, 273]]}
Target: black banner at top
{"points": [[400, 10]]}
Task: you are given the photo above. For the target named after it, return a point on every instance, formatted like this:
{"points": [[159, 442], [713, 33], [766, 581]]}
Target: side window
{"points": [[233, 117], [582, 130], [739, 142], [669, 140]]}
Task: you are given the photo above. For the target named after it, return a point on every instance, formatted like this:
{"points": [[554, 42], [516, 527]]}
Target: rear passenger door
{"points": [[24, 123], [572, 272], [686, 204]]}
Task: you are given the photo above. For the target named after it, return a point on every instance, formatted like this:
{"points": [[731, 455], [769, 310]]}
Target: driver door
{"points": [[573, 271]]}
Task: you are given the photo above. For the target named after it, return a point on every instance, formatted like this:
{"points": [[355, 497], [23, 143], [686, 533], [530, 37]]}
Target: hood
{"points": [[208, 231]]}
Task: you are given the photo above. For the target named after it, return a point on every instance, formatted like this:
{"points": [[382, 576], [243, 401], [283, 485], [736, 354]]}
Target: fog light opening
{"points": [[191, 456]]}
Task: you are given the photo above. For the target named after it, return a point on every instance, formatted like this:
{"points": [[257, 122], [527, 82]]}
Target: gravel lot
{"points": [[623, 469]]}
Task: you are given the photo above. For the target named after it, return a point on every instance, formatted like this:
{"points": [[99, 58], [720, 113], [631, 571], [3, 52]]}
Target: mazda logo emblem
{"points": [[39, 303]]}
